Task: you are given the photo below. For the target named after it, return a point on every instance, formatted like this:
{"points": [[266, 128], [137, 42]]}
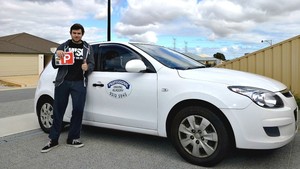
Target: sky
{"points": [[202, 27]]}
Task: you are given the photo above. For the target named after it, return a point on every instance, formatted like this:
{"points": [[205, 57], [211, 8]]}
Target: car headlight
{"points": [[261, 97]]}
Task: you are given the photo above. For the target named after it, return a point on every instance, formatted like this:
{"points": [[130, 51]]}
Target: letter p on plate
{"points": [[68, 59]]}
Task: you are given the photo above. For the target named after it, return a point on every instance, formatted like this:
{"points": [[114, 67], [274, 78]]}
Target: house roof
{"points": [[25, 43], [199, 58]]}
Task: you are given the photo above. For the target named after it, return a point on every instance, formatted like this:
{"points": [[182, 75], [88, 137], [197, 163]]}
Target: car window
{"points": [[96, 57], [115, 57], [169, 57]]}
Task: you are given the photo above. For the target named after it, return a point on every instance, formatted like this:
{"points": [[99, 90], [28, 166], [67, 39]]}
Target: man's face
{"points": [[76, 35]]}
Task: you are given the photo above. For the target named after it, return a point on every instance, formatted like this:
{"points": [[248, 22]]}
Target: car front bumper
{"points": [[259, 128]]}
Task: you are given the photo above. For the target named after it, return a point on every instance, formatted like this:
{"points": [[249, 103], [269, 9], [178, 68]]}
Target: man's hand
{"points": [[60, 53], [84, 66]]}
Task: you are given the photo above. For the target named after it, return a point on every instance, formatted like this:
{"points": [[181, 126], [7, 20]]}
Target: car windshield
{"points": [[169, 57]]}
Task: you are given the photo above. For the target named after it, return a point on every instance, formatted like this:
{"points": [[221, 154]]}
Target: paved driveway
{"points": [[110, 149]]}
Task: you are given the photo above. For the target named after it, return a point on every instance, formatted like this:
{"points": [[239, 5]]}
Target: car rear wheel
{"points": [[199, 136]]}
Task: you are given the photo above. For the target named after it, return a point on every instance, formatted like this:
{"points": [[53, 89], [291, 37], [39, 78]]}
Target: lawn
{"points": [[297, 100]]}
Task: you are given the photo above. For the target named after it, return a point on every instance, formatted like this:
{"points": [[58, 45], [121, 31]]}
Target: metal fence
{"points": [[280, 61]]}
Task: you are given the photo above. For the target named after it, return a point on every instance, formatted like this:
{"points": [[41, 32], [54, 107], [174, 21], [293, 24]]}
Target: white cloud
{"points": [[47, 19], [236, 47], [128, 30], [219, 18], [242, 23], [198, 50], [145, 37], [144, 12], [224, 49]]}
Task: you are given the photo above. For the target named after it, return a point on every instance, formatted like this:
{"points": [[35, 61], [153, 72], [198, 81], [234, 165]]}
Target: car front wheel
{"points": [[45, 114], [199, 136]]}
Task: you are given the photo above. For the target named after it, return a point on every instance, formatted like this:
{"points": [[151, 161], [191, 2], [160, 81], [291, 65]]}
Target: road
{"points": [[110, 149], [16, 102], [16, 95]]}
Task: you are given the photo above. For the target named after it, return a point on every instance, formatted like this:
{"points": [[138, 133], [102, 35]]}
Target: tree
{"points": [[220, 56]]}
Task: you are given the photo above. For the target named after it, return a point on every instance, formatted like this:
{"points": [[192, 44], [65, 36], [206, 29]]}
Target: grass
{"points": [[2, 83], [297, 100]]}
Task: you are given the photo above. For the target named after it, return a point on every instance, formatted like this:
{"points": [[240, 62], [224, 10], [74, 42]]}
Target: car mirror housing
{"points": [[135, 65]]}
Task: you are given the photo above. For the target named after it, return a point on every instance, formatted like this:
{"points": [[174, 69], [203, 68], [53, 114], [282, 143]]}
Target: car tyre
{"points": [[199, 136], [45, 114]]}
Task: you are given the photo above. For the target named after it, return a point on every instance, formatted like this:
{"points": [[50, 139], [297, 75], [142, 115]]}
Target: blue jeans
{"points": [[77, 90]]}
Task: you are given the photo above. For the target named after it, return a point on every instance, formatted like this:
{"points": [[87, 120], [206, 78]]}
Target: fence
{"points": [[280, 61]]}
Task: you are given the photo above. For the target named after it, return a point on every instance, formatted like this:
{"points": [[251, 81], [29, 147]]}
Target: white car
{"points": [[154, 90]]}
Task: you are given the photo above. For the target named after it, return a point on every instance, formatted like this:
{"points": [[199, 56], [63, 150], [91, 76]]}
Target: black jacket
{"points": [[88, 54]]}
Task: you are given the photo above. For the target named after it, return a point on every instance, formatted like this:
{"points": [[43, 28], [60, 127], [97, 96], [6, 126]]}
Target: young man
{"points": [[70, 80]]}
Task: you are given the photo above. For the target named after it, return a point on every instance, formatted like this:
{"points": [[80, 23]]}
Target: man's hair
{"points": [[77, 26]]}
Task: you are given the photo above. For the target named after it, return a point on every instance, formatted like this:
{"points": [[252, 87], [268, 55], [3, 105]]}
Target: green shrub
{"points": [[297, 100]]}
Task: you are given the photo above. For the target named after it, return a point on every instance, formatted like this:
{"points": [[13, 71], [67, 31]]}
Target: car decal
{"points": [[118, 89]]}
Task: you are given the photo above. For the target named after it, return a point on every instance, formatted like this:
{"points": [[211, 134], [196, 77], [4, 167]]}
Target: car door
{"points": [[117, 97]]}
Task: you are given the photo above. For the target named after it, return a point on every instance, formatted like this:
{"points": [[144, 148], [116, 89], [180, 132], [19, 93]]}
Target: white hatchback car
{"points": [[154, 90]]}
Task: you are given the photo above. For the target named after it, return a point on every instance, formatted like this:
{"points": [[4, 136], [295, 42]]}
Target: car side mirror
{"points": [[135, 65]]}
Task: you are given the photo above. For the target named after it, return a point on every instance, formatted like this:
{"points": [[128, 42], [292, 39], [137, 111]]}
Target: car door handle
{"points": [[97, 84]]}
